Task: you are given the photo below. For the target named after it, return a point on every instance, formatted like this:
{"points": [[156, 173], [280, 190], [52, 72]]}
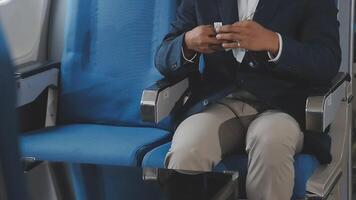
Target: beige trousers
{"points": [[271, 140]]}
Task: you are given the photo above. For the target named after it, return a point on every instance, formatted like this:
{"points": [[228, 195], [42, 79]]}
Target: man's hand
{"points": [[248, 35], [202, 39]]}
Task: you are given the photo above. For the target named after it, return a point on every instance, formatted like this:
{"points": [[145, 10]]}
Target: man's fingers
{"points": [[231, 29], [234, 45], [209, 30], [216, 47], [213, 41], [225, 29], [229, 36], [211, 48]]}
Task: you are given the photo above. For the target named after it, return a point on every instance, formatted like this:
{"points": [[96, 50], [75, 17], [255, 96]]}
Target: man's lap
{"points": [[224, 127]]}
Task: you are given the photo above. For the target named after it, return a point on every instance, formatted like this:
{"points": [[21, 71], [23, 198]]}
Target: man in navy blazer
{"points": [[274, 51]]}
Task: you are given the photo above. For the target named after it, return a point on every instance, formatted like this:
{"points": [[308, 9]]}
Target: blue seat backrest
{"points": [[10, 169], [109, 58]]}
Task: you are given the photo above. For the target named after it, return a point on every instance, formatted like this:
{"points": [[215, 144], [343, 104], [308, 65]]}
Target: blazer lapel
{"points": [[265, 11], [228, 11]]}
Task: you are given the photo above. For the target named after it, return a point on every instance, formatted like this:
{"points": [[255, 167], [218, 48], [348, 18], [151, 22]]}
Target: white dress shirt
{"points": [[247, 9]]}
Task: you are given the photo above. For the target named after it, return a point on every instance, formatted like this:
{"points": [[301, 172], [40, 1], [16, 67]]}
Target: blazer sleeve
{"points": [[316, 57], [169, 60]]}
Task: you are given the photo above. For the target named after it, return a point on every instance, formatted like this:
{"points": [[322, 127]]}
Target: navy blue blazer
{"points": [[311, 50]]}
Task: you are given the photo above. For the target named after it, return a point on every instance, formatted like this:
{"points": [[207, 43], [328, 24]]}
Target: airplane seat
{"points": [[106, 65], [12, 182], [322, 107], [312, 179], [108, 60]]}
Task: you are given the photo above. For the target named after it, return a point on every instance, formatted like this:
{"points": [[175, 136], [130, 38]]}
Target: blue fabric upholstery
{"points": [[92, 144], [304, 166], [107, 62], [10, 171], [155, 158], [109, 58]]}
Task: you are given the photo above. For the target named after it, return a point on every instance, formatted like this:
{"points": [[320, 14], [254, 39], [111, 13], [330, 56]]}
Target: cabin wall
{"points": [[25, 24], [56, 35]]}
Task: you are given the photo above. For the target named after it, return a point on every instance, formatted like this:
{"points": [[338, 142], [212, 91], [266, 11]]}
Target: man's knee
{"points": [[196, 144], [273, 134], [187, 158]]}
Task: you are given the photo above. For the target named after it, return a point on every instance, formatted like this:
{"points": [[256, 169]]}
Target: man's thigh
{"points": [[218, 130], [275, 127]]}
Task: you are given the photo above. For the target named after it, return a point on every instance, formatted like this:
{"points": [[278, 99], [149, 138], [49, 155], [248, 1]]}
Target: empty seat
{"points": [[107, 62], [92, 144]]}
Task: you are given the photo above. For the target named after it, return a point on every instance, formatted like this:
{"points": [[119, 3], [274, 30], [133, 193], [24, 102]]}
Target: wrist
{"points": [[188, 50], [273, 44]]}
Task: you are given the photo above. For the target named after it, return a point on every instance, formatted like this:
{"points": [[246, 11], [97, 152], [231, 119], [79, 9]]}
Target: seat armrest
{"points": [[31, 83], [159, 100], [324, 102], [32, 70]]}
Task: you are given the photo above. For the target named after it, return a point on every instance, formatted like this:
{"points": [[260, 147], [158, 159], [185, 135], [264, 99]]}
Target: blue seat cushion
{"points": [[304, 166], [92, 144]]}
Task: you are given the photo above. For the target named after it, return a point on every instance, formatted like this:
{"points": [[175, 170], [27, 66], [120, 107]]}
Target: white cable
{"points": [[189, 60]]}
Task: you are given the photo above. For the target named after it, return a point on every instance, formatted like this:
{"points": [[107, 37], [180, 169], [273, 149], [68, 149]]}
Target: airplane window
{"points": [[3, 2], [26, 33]]}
